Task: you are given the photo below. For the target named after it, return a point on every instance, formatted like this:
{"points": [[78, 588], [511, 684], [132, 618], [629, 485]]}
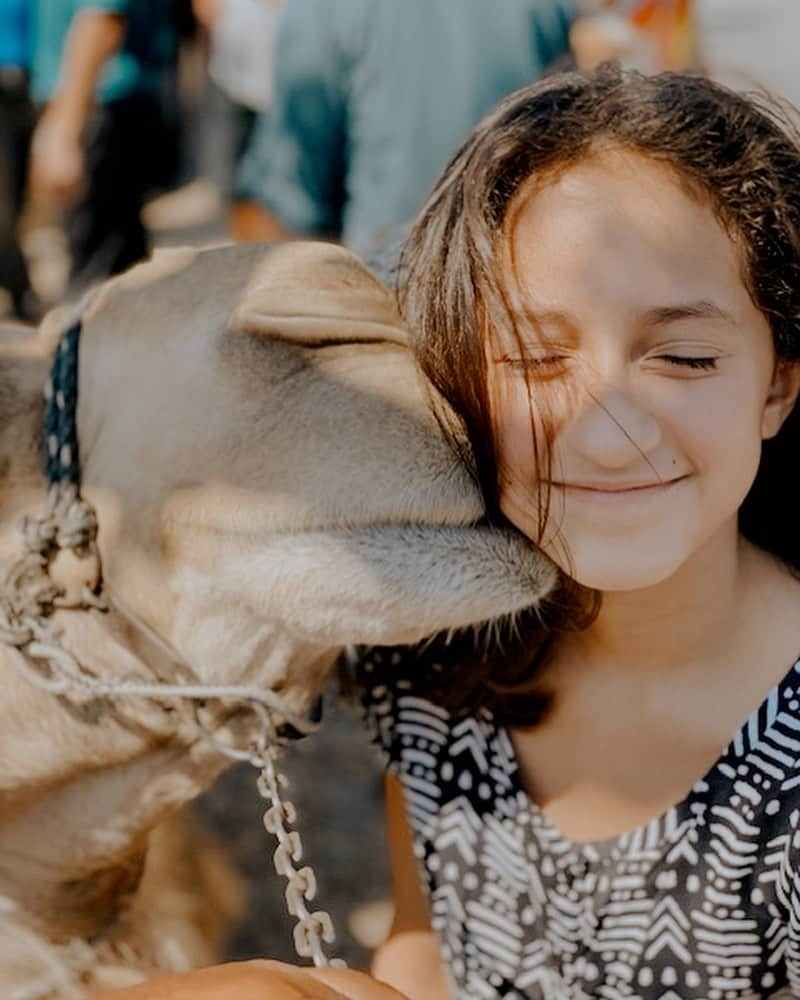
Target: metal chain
{"points": [[28, 597], [313, 928]]}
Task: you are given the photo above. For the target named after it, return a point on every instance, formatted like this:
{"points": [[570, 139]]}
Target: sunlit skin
{"points": [[643, 339], [660, 378]]}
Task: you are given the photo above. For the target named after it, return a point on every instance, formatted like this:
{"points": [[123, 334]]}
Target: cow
{"points": [[271, 486]]}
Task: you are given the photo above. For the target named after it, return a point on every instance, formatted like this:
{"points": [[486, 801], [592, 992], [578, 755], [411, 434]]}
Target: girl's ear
{"points": [[781, 399]]}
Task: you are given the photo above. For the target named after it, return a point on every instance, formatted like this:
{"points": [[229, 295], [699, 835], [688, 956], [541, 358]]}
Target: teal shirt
{"points": [[373, 96], [14, 34], [148, 47]]}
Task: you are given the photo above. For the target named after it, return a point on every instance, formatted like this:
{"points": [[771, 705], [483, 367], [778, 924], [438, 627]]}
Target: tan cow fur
{"points": [[271, 486]]}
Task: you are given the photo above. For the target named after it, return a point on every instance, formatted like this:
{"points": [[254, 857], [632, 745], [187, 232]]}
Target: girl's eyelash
{"points": [[705, 364], [533, 362], [690, 362]]}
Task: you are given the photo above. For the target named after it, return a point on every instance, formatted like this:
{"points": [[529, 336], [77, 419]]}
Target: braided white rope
{"points": [[28, 597]]}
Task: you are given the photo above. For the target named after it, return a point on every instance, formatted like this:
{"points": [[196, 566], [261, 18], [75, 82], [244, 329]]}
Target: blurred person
{"points": [[648, 35], [752, 43], [16, 124], [669, 25], [241, 62], [371, 98], [101, 142], [242, 45]]}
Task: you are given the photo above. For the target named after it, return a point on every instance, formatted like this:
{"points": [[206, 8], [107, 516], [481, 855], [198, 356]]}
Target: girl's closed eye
{"points": [[551, 365], [705, 364], [537, 365]]}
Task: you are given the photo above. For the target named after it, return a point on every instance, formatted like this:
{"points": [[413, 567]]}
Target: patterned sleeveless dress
{"points": [[702, 902]]}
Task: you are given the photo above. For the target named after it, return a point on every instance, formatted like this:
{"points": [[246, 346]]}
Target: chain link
{"points": [[313, 927]]}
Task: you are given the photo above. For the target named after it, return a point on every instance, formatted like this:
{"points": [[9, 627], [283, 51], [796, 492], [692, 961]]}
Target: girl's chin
{"points": [[622, 576], [625, 585]]}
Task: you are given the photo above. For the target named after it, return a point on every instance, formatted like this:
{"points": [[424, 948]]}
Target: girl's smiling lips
{"points": [[617, 489]]}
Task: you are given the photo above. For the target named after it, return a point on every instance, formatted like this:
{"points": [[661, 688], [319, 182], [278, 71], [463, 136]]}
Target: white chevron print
{"points": [[702, 902]]}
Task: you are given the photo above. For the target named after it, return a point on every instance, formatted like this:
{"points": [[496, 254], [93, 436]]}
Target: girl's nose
{"points": [[613, 428]]}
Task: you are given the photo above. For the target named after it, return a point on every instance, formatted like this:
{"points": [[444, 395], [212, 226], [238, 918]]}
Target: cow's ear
{"points": [[55, 322], [317, 295]]}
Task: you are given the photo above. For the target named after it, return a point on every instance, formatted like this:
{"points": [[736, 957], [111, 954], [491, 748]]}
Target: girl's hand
{"points": [[259, 980]]}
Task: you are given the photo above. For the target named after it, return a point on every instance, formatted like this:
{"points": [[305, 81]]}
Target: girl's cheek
{"points": [[727, 415]]}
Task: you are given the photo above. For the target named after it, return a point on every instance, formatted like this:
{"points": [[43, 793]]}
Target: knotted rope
{"points": [[29, 596]]}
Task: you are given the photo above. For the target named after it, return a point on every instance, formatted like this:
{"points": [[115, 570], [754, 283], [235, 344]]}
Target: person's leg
{"points": [[16, 122], [104, 227]]}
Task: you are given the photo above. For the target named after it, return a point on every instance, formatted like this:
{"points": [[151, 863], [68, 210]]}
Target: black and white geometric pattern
{"points": [[702, 902]]}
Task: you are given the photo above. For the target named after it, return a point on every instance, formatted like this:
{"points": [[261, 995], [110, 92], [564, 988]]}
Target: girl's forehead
{"points": [[603, 166], [616, 186], [619, 224]]}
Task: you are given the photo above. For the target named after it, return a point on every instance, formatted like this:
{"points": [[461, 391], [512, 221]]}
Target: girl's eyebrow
{"points": [[657, 316], [702, 309]]}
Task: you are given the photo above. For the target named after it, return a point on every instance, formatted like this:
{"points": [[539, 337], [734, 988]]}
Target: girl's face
{"points": [[655, 369]]}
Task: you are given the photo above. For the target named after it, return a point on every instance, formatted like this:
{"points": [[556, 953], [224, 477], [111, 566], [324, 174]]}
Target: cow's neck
{"points": [[65, 884]]}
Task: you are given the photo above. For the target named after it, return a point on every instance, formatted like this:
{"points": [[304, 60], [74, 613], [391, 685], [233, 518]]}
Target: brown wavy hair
{"points": [[738, 154]]}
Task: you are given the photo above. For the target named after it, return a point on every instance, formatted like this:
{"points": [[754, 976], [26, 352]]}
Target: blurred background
{"points": [[131, 124]]}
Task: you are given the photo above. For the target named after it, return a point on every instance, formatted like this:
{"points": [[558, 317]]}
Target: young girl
{"points": [[605, 287]]}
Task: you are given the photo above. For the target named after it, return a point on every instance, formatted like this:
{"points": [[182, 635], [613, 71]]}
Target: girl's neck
{"points": [[698, 615]]}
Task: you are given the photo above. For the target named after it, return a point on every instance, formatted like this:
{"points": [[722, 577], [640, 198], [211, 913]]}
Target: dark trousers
{"points": [[125, 152], [16, 125]]}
